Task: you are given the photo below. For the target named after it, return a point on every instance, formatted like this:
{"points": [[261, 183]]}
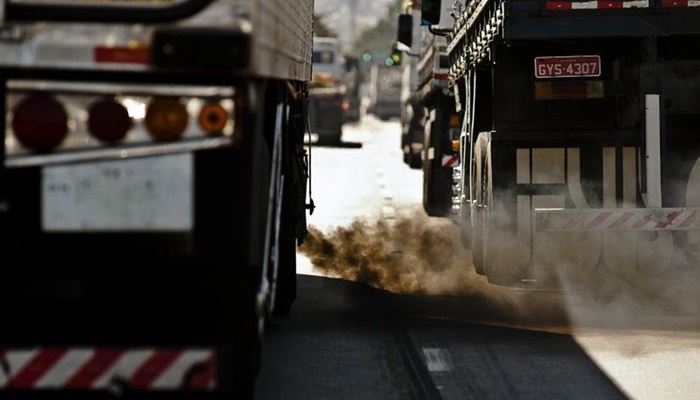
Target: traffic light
{"points": [[430, 12], [395, 56]]}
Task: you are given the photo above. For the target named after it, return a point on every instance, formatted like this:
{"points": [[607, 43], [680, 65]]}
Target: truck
{"points": [[578, 142], [412, 111], [384, 91], [327, 91], [152, 192], [353, 101], [441, 128]]}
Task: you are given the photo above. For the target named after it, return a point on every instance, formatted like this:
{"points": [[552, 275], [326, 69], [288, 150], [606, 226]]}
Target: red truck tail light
{"points": [[166, 119], [52, 122], [108, 121], [213, 118], [39, 122]]}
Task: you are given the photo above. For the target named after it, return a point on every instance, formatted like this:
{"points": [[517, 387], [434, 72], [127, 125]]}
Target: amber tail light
{"points": [[166, 119], [213, 118]]}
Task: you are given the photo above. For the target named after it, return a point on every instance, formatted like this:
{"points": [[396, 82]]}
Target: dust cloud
{"points": [[419, 255], [412, 253], [629, 295], [422, 256]]}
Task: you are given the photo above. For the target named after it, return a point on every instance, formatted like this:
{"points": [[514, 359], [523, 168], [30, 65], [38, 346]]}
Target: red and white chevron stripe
{"points": [[99, 368], [596, 4], [680, 3], [604, 4], [639, 219], [450, 160]]}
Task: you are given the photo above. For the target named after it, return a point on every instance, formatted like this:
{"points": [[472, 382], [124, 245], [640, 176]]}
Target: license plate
{"points": [[567, 66], [141, 194]]}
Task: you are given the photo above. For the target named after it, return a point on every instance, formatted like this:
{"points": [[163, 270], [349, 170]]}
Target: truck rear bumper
{"points": [[108, 369], [638, 219]]}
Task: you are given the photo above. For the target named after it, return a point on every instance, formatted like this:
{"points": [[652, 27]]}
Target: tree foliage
{"points": [[380, 37], [321, 29]]}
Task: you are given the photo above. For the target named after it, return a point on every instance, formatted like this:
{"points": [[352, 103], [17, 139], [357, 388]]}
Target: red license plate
{"points": [[567, 67]]}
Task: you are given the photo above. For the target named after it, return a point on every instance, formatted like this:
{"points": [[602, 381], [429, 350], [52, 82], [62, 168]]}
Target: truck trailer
{"points": [[412, 111], [579, 137], [441, 127], [327, 91], [152, 192], [384, 91]]}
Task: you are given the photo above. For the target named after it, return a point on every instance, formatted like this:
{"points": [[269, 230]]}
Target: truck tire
{"points": [[477, 243], [247, 354], [291, 213], [248, 330], [232, 277], [331, 140], [287, 271], [482, 192], [437, 182], [497, 218], [466, 230], [415, 161]]}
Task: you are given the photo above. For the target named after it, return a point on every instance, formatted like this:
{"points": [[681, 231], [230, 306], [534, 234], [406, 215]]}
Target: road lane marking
{"points": [[437, 359]]}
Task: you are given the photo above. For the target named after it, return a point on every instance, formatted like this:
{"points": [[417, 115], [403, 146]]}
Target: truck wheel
{"points": [[415, 161], [247, 355], [477, 243], [330, 140], [505, 256], [253, 312], [287, 271], [286, 280], [466, 230], [481, 179]]}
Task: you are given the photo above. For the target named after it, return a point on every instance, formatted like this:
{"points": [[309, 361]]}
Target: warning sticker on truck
{"points": [[567, 66]]}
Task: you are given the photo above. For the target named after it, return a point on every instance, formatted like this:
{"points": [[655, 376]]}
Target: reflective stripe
{"points": [[65, 368], [449, 161], [651, 219], [601, 4], [149, 371], [123, 368], [175, 374], [37, 367], [98, 368], [14, 361], [94, 368]]}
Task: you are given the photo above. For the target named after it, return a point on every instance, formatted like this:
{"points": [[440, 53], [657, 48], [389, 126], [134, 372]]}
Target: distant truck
{"points": [[327, 91], [384, 91], [152, 192], [352, 101], [441, 130], [413, 113]]}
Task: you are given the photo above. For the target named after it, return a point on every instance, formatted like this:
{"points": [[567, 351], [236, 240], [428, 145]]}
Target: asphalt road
{"points": [[463, 338], [347, 340]]}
